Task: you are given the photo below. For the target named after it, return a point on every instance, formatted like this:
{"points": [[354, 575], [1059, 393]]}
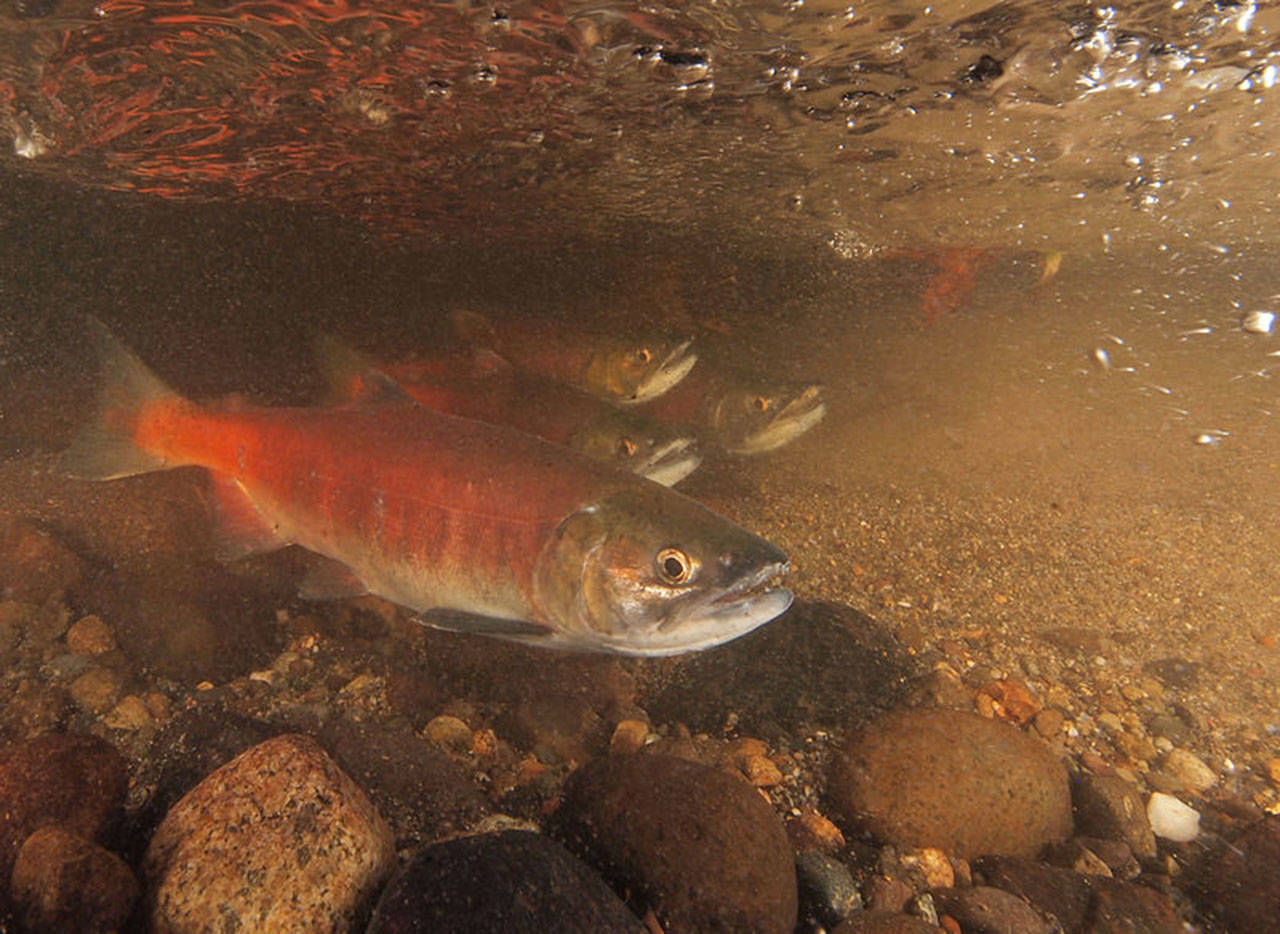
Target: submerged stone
{"points": [[75, 780], [695, 843], [514, 880], [63, 882], [277, 839], [952, 780]]}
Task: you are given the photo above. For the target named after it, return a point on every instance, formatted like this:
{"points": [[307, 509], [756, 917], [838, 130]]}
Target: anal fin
{"points": [[241, 530]]}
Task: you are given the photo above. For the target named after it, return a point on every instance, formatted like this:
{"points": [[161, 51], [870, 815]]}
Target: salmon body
{"points": [[478, 527], [623, 370], [485, 387]]}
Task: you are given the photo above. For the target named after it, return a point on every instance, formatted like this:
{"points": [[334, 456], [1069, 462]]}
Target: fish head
{"points": [[646, 571], [755, 416], [661, 453], [627, 371]]}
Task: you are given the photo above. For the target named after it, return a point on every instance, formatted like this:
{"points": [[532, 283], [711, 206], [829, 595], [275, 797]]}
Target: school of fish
{"points": [[492, 490]]}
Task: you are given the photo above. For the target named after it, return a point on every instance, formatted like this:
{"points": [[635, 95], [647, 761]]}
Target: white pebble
{"points": [[1171, 819], [1259, 322]]}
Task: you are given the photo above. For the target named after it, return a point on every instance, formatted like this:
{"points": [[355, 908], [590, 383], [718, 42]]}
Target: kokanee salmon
{"points": [[476, 527]]}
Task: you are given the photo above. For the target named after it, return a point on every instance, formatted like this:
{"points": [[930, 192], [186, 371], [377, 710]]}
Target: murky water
{"points": [[1026, 249]]}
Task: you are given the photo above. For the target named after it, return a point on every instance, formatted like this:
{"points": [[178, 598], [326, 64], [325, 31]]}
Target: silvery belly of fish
{"points": [[477, 527]]}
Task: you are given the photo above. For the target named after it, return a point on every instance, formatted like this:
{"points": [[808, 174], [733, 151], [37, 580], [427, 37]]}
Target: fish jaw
{"points": [[628, 372], [794, 413], [671, 462], [675, 367]]}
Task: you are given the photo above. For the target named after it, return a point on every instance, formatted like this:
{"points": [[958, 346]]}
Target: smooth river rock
{"points": [[952, 780], [514, 880], [278, 839], [695, 843], [74, 780], [63, 882]]}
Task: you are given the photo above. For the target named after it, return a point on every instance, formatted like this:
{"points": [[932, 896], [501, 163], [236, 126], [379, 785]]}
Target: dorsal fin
{"points": [[352, 377], [472, 327]]}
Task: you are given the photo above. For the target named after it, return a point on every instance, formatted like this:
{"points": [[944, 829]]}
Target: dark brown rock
{"points": [[851, 664], [74, 780], [1117, 854], [695, 843], [414, 784], [885, 894], [1056, 892], [1107, 806], [1121, 908], [277, 839], [1240, 882], [981, 909], [37, 567], [884, 922], [952, 780], [63, 882], [515, 880]]}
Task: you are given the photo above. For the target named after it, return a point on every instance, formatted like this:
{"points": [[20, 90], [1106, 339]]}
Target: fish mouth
{"points": [[790, 422], [671, 462], [747, 604], [674, 367]]}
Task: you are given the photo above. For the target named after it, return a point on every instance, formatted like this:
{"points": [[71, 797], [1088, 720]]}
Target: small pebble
{"points": [[812, 831], [761, 772], [158, 704], [1048, 722], [1190, 770], [629, 736], [1259, 322], [131, 713], [1171, 819], [933, 865], [449, 732], [97, 689], [826, 888], [90, 635]]}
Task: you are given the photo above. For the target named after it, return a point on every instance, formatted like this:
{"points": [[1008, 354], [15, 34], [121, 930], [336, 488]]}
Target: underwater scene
{"points": [[738, 465]]}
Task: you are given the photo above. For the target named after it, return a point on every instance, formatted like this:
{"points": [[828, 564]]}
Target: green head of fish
{"points": [[627, 372], [646, 571], [756, 416], [662, 453]]}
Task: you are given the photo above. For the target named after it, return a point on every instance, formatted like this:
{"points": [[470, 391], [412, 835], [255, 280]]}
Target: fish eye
{"points": [[760, 403], [626, 447], [643, 355], [673, 565]]}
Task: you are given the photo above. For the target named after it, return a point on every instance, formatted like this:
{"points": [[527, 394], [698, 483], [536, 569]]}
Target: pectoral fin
{"points": [[462, 621]]}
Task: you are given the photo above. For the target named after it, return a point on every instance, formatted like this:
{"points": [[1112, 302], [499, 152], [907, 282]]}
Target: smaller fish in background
{"points": [[481, 385], [741, 414], [962, 273], [621, 370]]}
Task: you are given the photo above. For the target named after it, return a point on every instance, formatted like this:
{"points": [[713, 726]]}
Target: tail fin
{"points": [[351, 376], [106, 449]]}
